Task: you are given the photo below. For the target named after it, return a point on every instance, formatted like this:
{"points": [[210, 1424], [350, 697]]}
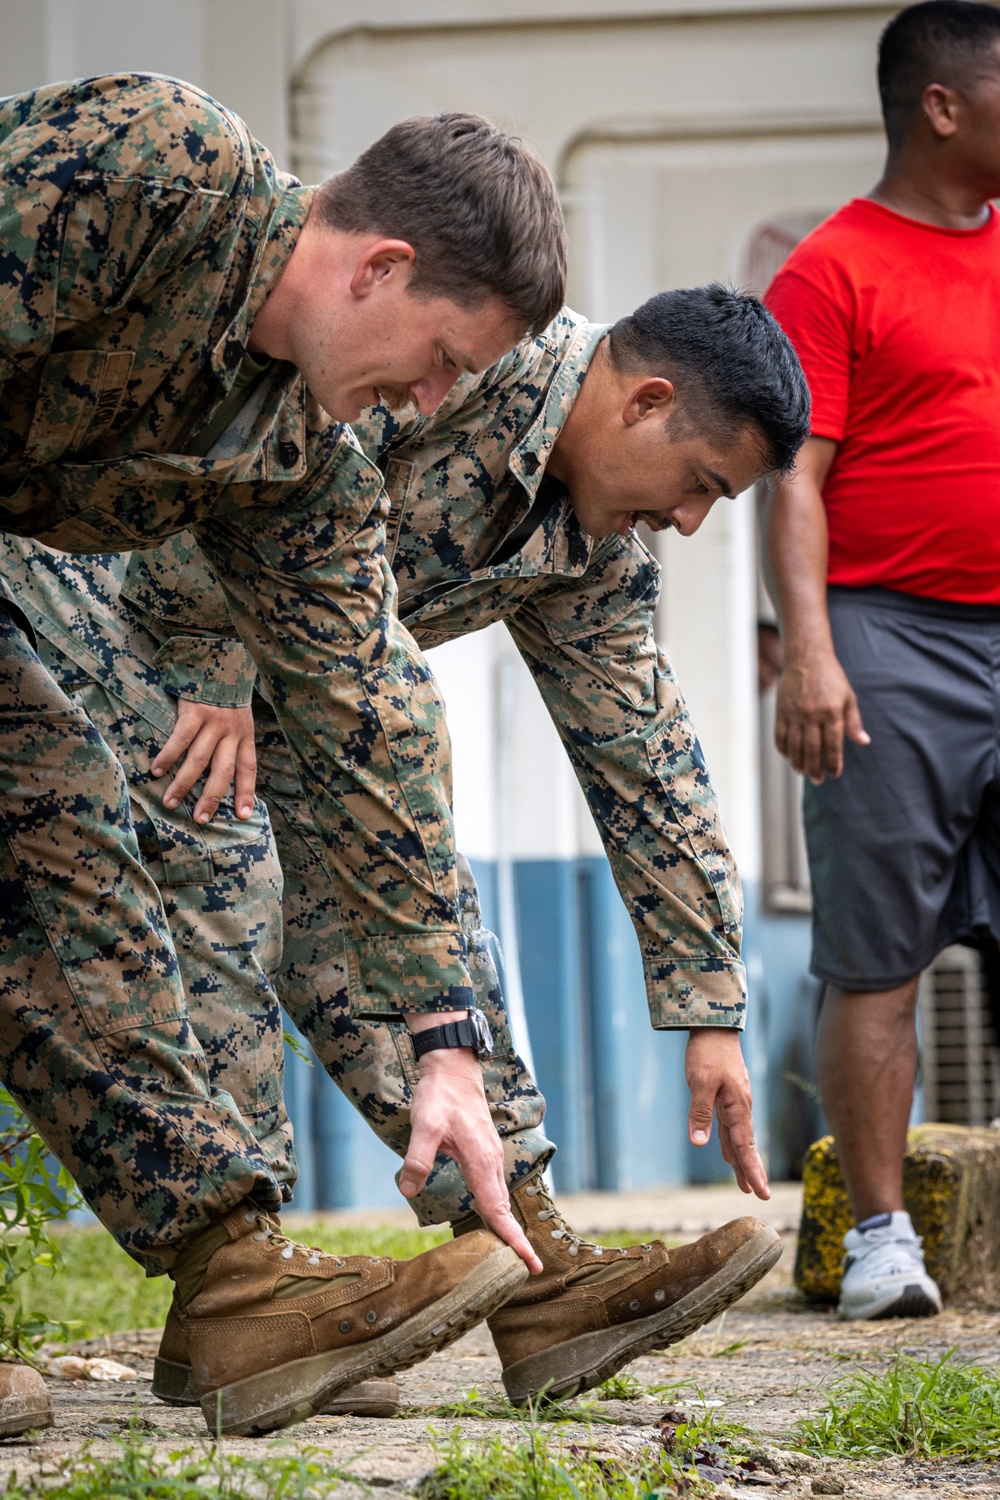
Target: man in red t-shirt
{"points": [[885, 556]]}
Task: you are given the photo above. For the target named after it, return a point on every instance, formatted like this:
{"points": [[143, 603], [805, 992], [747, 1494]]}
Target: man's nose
{"points": [[689, 516], [428, 394]]}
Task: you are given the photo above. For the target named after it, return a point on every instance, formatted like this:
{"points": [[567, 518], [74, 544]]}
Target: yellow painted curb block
{"points": [[951, 1188]]}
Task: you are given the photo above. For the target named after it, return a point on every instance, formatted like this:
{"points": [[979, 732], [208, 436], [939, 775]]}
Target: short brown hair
{"points": [[478, 206]]}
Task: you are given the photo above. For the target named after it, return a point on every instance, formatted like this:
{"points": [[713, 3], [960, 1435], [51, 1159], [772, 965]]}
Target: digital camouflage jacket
{"points": [[581, 614], [141, 229]]}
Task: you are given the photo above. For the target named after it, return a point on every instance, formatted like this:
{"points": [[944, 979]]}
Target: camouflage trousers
{"points": [[373, 1062], [96, 1045], [220, 885]]}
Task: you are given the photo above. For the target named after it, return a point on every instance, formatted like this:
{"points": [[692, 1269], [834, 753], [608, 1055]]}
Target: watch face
{"points": [[483, 1034]]}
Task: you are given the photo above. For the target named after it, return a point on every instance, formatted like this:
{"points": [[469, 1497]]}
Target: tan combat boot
{"points": [[593, 1309], [275, 1330], [24, 1400], [174, 1382]]}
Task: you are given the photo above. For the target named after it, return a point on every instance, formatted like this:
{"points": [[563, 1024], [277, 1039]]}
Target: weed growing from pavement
{"points": [[136, 1472], [493, 1406], [941, 1408], [539, 1468]]}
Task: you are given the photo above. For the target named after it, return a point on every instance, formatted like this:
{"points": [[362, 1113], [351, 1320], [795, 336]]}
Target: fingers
{"points": [[419, 1159], [246, 778], [748, 1168], [191, 769], [700, 1112], [853, 725], [719, 1085], [220, 777], [213, 740], [184, 732], [488, 1185], [449, 1113]]}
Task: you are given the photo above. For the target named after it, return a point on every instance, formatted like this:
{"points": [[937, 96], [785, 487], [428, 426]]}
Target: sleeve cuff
{"points": [[710, 992], [389, 977], [207, 669]]}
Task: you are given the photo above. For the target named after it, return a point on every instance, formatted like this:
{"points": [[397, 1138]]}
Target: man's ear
{"points": [[941, 106], [380, 261], [652, 397]]}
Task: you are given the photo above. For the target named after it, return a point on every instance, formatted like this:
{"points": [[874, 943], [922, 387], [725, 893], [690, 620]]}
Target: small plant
{"points": [[924, 1409], [537, 1469], [136, 1473], [494, 1407], [33, 1193]]}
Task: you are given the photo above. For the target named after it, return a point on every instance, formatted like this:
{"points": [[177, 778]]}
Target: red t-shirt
{"points": [[897, 325]]}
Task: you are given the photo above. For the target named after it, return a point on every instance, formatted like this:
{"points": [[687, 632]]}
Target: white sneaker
{"points": [[884, 1275]]}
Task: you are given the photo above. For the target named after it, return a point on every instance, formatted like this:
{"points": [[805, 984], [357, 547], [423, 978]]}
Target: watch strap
{"points": [[451, 1034]]}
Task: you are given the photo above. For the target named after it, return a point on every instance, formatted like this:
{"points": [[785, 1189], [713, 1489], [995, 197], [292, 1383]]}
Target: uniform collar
{"points": [[283, 226], [530, 457]]}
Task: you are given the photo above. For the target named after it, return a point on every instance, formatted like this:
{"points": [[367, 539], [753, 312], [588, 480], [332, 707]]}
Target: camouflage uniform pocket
{"points": [[676, 758], [79, 396]]}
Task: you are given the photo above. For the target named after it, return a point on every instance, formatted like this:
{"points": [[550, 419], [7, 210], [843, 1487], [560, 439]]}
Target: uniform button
{"points": [[345, 1327], [288, 452]]}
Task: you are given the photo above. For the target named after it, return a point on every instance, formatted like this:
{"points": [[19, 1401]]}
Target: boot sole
{"points": [[304, 1388], [176, 1386], [577, 1365], [13, 1424]]}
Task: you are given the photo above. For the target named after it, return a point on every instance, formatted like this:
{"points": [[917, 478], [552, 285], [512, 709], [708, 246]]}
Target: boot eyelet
{"points": [[598, 1250], [371, 1316], [660, 1295], [249, 1218], [345, 1327], [634, 1305], [287, 1253], [259, 1237], [313, 1260]]}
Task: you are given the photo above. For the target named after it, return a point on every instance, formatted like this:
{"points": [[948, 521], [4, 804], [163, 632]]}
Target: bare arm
{"points": [[816, 703]]}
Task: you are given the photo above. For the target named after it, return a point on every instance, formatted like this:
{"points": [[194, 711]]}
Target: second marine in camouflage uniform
{"points": [[581, 613]]}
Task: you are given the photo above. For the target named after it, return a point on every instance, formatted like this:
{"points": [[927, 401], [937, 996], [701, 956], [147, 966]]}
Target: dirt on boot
{"points": [[174, 1382], [594, 1309], [278, 1329]]}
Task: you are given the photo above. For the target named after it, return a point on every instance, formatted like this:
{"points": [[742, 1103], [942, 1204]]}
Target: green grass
{"points": [[135, 1472], [922, 1408], [539, 1468], [532, 1468], [101, 1290]]}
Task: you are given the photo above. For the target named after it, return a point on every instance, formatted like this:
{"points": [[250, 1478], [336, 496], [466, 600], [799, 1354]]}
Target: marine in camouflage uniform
{"points": [[142, 229], [477, 533]]}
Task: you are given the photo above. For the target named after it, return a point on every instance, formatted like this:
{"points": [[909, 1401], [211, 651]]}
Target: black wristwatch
{"points": [[473, 1032]]}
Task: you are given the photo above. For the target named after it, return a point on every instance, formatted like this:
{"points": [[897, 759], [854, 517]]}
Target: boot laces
{"points": [[268, 1229], [564, 1231]]}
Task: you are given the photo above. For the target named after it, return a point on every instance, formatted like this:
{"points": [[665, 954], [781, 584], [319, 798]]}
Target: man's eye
{"points": [[700, 487]]}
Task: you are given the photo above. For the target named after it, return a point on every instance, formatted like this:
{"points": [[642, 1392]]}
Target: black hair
{"points": [[729, 362], [936, 42]]}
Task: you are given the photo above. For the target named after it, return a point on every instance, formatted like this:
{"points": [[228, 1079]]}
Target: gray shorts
{"points": [[904, 849]]}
